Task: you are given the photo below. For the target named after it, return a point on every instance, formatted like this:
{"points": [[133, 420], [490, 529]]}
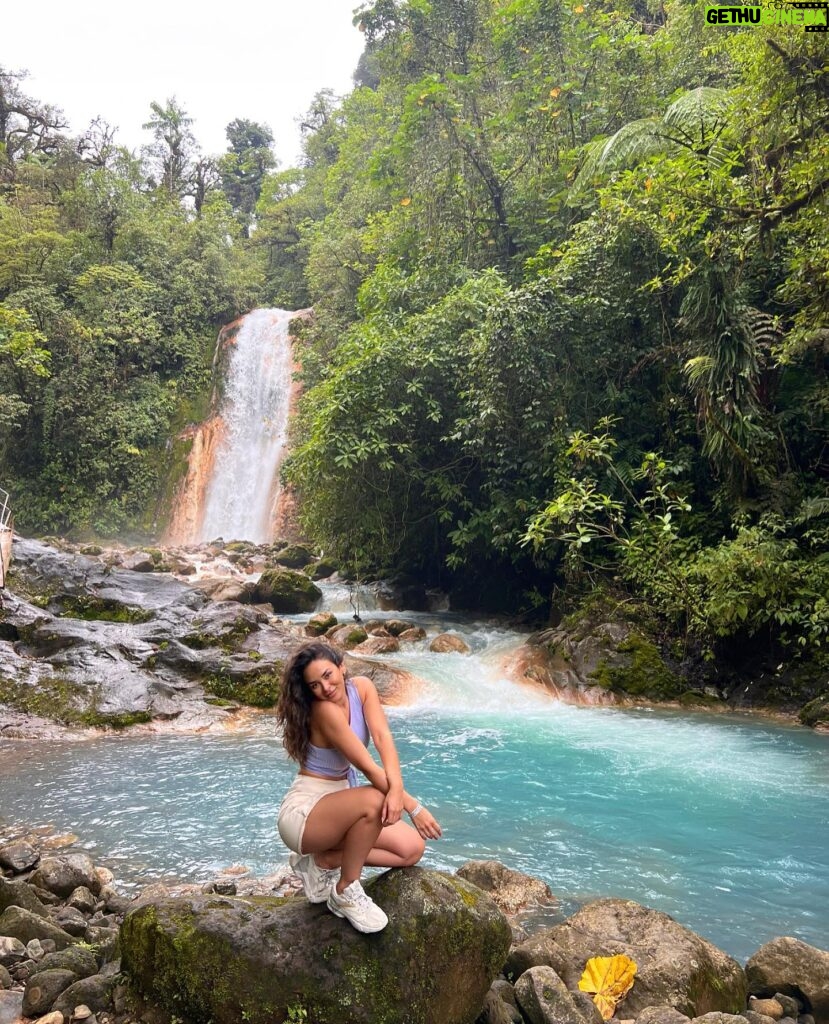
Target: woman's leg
{"points": [[397, 846], [349, 821]]}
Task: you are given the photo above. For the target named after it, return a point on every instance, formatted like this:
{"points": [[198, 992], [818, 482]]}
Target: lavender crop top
{"points": [[328, 761]]}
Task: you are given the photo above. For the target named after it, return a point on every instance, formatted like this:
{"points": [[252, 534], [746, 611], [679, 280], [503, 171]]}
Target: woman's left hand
{"points": [[392, 807], [426, 824]]}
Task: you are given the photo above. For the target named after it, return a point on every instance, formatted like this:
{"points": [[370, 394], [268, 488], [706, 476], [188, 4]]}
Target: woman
{"points": [[333, 825]]}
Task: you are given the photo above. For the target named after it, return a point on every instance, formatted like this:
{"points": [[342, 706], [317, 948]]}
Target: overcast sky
{"points": [[261, 61]]}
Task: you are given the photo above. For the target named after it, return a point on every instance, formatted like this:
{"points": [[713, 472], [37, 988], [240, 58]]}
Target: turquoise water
{"points": [[721, 821]]}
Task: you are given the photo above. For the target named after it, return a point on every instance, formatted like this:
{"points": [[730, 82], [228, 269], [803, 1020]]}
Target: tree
{"points": [[244, 167], [174, 147], [27, 127]]}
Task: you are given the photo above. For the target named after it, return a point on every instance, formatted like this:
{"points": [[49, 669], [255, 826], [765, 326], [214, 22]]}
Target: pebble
{"points": [[769, 1007], [55, 1017]]}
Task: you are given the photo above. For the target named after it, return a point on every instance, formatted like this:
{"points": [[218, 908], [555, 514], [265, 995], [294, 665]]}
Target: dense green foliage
{"points": [[115, 274], [568, 262]]}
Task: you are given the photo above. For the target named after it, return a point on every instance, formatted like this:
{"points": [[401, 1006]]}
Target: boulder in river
{"points": [[287, 591], [254, 959]]}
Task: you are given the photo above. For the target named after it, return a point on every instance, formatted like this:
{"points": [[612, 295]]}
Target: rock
{"points": [[497, 1011], [43, 989], [716, 1017], [320, 570], [295, 556], [795, 968], [78, 959], [35, 950], [413, 634], [511, 890], [348, 635], [18, 857], [94, 992], [287, 591], [72, 921], [5, 978], [62, 875], [753, 1017], [24, 925], [251, 959], [398, 626], [676, 967], [661, 1015], [544, 999], [15, 893], [791, 1006], [11, 1007], [83, 1012], [12, 951], [768, 1007], [377, 645], [50, 1018], [105, 940], [138, 561], [320, 623], [446, 643], [81, 899]]}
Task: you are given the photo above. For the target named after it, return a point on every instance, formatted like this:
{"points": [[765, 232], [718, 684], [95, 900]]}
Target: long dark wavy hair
{"points": [[293, 710]]}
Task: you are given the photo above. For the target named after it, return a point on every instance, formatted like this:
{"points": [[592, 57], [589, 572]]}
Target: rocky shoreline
{"points": [[191, 640], [240, 949]]}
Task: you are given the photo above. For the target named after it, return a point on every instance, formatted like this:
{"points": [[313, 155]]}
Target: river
{"points": [[722, 821]]}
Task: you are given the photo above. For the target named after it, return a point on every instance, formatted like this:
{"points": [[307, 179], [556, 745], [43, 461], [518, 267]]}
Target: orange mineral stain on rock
{"points": [[540, 669], [188, 505]]}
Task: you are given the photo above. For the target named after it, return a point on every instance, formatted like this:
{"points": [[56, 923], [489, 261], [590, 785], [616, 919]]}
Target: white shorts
{"points": [[304, 794]]}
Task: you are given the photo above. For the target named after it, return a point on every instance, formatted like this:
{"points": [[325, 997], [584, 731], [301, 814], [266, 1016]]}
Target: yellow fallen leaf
{"points": [[405, 202], [610, 978], [555, 93], [579, 9]]}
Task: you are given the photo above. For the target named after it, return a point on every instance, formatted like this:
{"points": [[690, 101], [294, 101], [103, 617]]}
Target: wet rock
{"points": [[320, 623], [511, 890], [24, 925], [792, 967], [446, 643], [347, 635], [544, 999], [62, 875], [295, 556], [398, 626], [138, 561], [676, 967], [18, 857], [43, 989], [16, 893], [174, 950], [413, 634], [377, 645], [321, 570], [5, 978], [287, 591]]}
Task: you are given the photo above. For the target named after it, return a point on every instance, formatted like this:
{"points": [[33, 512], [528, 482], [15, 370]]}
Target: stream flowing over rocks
{"points": [[238, 949]]}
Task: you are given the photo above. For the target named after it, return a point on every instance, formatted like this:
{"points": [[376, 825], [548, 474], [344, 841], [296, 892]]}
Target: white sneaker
{"points": [[316, 881], [358, 909]]}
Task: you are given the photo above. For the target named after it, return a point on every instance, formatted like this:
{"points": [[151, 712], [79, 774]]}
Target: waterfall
{"points": [[232, 481]]}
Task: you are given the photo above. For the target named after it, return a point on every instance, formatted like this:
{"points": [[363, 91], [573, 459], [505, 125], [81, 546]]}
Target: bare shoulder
{"points": [[365, 687]]}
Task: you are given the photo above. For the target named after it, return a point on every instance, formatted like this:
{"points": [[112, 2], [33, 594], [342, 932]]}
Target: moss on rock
{"points": [[258, 959], [287, 591], [644, 673]]}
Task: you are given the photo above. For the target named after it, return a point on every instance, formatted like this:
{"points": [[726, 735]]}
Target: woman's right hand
{"points": [[426, 824]]}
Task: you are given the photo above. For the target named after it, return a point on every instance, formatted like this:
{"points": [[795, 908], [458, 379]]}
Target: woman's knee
{"points": [[414, 849], [372, 801]]}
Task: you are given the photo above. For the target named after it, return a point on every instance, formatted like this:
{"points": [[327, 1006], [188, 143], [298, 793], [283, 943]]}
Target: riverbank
{"points": [[66, 955]]}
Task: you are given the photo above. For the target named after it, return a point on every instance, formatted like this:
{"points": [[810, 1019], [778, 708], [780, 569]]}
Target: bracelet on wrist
{"points": [[413, 813]]}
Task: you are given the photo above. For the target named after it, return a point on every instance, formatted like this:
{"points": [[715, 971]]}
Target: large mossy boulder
{"points": [[288, 591], [261, 959]]}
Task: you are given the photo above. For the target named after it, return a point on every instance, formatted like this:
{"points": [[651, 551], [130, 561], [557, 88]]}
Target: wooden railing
{"points": [[6, 533]]}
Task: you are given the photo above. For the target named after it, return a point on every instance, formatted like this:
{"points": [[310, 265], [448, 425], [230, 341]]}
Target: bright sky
{"points": [[263, 61]]}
